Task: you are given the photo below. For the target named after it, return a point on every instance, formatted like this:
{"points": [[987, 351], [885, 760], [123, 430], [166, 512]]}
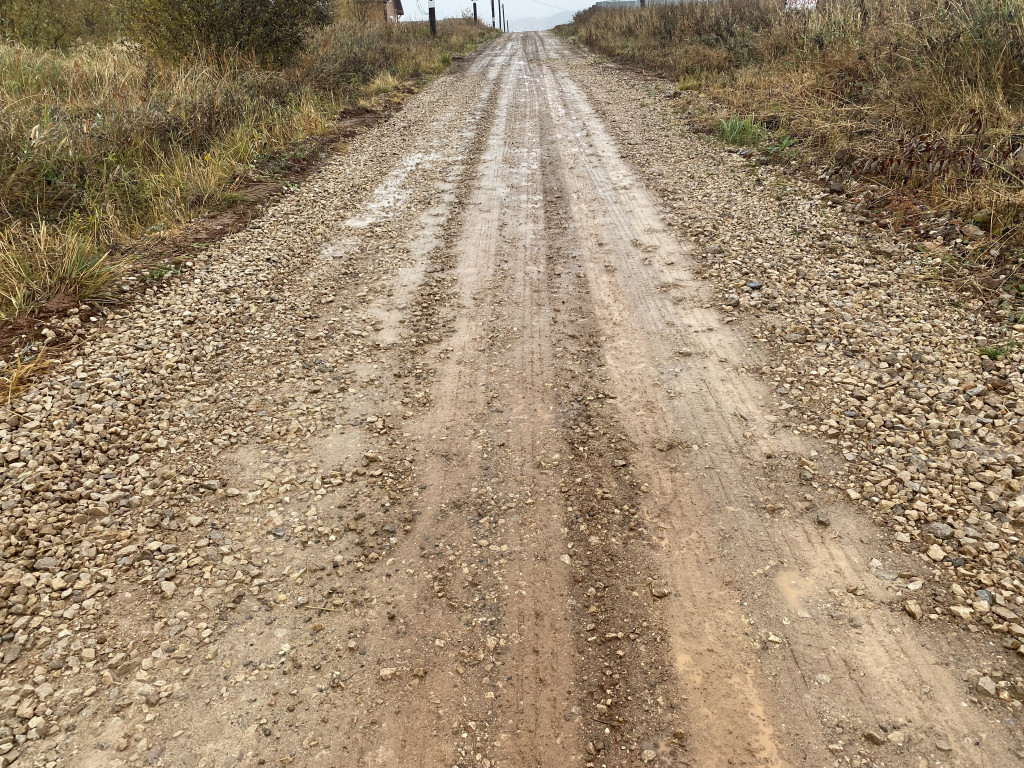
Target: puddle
{"points": [[793, 587]]}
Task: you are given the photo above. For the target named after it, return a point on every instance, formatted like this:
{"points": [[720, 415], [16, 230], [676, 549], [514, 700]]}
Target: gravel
{"points": [[867, 345], [125, 544]]}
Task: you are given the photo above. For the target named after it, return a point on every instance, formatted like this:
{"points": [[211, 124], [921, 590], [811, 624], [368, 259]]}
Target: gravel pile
{"points": [[917, 386]]}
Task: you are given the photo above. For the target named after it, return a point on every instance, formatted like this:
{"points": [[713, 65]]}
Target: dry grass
{"points": [[40, 263], [16, 375], [924, 96], [99, 145]]}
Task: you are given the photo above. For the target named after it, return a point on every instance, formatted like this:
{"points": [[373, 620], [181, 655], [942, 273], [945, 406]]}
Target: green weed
{"points": [[782, 149], [161, 272], [743, 131], [994, 353]]}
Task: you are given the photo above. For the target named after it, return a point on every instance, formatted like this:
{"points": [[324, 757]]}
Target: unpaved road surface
{"points": [[452, 459]]}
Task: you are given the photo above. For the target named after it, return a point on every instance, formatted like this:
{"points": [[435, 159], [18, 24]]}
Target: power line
{"points": [[423, 11], [549, 5]]}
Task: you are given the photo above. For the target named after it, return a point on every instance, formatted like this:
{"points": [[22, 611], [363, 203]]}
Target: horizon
{"points": [[520, 12]]}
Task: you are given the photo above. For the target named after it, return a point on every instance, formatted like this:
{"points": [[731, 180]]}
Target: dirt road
{"points": [[451, 460]]}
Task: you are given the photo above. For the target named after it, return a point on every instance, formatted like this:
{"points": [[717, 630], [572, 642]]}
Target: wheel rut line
{"points": [[595, 200], [464, 420], [632, 714], [411, 731]]}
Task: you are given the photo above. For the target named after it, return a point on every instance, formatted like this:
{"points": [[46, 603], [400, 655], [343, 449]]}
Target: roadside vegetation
{"points": [[925, 97], [118, 120]]}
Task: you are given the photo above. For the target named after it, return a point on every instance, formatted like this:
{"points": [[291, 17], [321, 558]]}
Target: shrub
{"points": [[271, 30], [59, 23]]}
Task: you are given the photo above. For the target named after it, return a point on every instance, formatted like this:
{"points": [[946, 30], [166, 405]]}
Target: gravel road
{"points": [[532, 430]]}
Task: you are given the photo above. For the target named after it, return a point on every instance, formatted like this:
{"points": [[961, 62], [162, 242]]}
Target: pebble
{"points": [[986, 687], [939, 530], [659, 592]]}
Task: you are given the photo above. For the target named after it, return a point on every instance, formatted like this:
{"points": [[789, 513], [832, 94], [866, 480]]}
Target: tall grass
{"points": [[925, 94], [99, 144]]}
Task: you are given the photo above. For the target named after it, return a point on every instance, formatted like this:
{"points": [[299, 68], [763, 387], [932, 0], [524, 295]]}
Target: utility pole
{"points": [[501, 16], [474, 12], [433, 18], [493, 23]]}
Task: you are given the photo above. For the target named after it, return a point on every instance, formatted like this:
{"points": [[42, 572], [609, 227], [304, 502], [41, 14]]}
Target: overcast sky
{"points": [[521, 9]]}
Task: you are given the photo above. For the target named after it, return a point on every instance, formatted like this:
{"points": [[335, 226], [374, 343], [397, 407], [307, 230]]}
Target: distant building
{"points": [[393, 9]]}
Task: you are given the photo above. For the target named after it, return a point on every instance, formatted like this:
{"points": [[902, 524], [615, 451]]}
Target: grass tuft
{"points": [[994, 353], [739, 131], [16, 375], [43, 263]]}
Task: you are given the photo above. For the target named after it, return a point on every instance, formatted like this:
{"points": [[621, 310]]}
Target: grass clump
{"points": [[739, 131], [44, 263], [994, 353], [925, 96], [16, 374], [101, 143]]}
